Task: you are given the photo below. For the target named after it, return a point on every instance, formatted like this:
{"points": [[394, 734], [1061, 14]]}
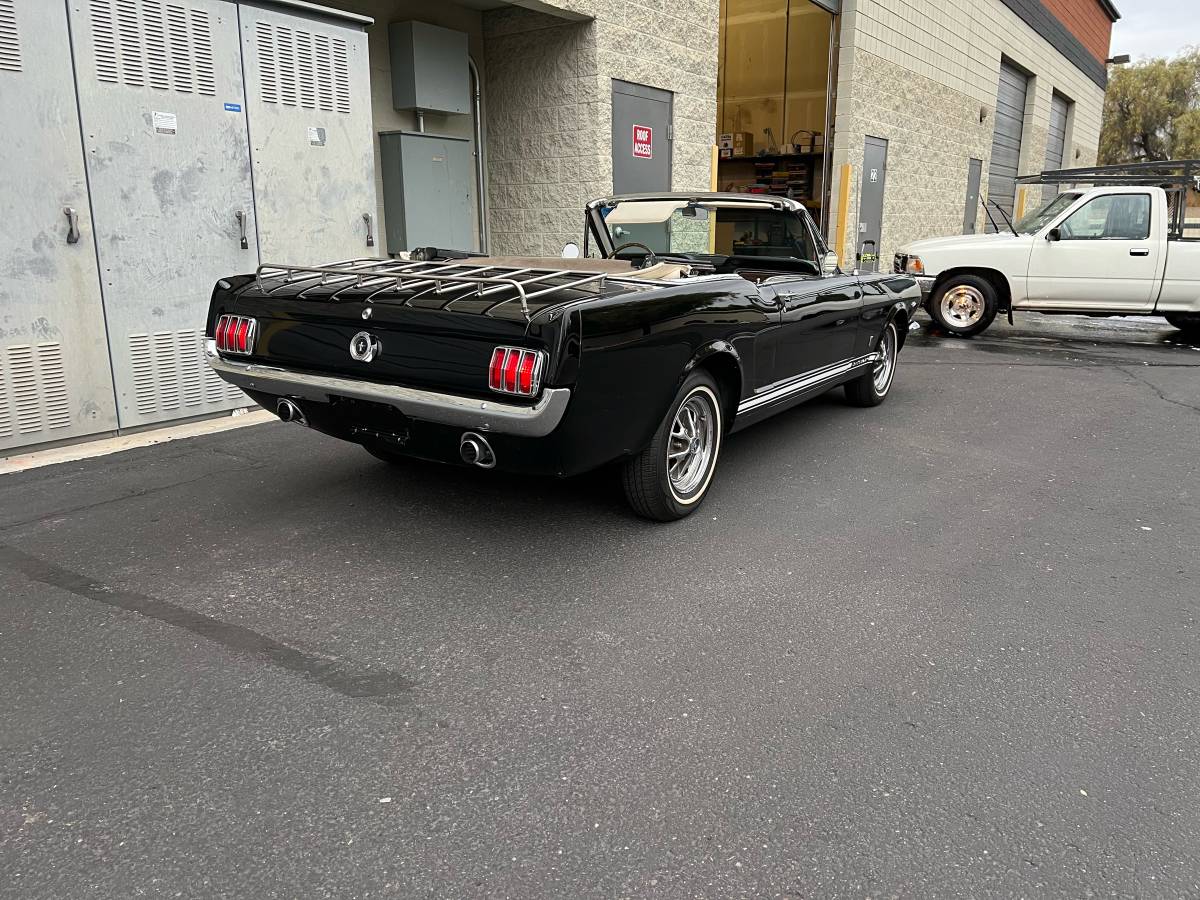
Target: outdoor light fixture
{"points": [[1118, 60]]}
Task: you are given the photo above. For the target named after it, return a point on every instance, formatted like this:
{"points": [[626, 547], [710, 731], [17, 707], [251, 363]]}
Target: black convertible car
{"points": [[696, 315]]}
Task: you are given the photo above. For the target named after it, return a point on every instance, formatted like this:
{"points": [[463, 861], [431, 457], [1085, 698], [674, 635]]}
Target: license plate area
{"points": [[375, 420]]}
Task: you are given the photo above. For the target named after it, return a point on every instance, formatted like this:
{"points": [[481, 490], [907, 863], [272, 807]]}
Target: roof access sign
{"points": [[643, 142]]}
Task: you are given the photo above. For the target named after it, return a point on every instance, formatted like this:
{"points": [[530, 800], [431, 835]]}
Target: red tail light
{"points": [[236, 334], [516, 371]]}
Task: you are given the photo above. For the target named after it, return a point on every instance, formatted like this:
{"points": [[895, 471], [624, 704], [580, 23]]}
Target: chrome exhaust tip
{"points": [[476, 451], [288, 411]]}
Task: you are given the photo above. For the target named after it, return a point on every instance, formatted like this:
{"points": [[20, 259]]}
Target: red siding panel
{"points": [[1087, 20]]}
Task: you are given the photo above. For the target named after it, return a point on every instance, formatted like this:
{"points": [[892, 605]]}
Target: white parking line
{"points": [[88, 449]]}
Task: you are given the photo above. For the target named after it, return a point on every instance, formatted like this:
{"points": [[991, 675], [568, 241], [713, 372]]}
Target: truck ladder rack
{"points": [[385, 276]]}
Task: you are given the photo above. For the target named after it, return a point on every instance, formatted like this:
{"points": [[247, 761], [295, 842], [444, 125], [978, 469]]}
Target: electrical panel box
{"points": [[428, 181], [430, 68]]}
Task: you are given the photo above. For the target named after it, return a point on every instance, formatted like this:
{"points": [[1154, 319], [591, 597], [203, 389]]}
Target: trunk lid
{"points": [[437, 323]]}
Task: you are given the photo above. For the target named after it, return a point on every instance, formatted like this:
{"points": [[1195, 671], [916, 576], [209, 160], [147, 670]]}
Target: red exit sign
{"points": [[643, 141]]}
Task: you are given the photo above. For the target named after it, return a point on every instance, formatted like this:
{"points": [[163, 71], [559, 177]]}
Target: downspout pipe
{"points": [[480, 179]]}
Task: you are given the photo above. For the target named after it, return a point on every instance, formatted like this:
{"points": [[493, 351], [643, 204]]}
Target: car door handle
{"points": [[1139, 251]]}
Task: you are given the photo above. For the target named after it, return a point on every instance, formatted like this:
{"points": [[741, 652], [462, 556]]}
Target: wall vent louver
{"points": [[10, 44], [33, 389], [148, 43], [301, 68], [169, 373]]}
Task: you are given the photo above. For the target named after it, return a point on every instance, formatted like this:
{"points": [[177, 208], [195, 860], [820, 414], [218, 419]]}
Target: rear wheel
{"points": [[1188, 323], [964, 305], [668, 480], [871, 387]]}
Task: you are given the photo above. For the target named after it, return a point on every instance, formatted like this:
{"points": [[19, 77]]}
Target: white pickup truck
{"points": [[1107, 251]]}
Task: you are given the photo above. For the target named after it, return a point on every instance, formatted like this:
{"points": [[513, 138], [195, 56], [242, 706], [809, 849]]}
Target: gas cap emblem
{"points": [[364, 347]]}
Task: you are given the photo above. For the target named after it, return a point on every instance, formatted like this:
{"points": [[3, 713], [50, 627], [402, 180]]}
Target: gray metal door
{"points": [[971, 213], [55, 381], [1006, 139], [641, 138], [1056, 140], [308, 96], [870, 204], [160, 96]]}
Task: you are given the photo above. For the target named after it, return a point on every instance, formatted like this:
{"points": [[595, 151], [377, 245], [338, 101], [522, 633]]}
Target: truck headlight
{"points": [[914, 266]]}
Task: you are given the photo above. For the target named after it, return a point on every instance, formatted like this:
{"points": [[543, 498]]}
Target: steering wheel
{"points": [[650, 260]]}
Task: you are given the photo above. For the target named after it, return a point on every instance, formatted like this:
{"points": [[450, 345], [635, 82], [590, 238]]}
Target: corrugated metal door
{"points": [[1056, 140], [160, 95], [308, 94], [1006, 140], [55, 381]]}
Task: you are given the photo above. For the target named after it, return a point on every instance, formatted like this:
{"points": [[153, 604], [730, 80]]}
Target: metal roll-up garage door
{"points": [[1056, 140], [1006, 141]]}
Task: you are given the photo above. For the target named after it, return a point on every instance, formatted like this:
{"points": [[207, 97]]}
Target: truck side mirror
{"points": [[829, 263], [1054, 235]]}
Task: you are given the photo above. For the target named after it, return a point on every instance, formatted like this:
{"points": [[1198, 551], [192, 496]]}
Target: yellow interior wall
{"points": [[774, 68]]}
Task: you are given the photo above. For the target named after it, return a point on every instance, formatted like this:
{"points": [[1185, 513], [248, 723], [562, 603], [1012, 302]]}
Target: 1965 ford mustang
{"points": [[699, 315]]}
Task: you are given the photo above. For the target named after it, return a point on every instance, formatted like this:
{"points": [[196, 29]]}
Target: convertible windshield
{"points": [[1036, 221], [681, 227]]}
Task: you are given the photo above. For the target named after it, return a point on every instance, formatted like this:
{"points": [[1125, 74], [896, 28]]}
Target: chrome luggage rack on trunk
{"points": [[461, 279]]}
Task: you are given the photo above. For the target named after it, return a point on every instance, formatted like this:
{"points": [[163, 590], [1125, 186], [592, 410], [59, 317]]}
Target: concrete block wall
{"points": [[384, 116], [546, 107], [917, 72], [549, 106]]}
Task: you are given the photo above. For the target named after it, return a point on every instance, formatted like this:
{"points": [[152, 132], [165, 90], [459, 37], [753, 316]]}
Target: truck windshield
{"points": [[680, 228], [1036, 221]]}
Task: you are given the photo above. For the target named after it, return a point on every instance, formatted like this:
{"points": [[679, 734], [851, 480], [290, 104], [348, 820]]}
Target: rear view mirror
{"points": [[1054, 235], [829, 263]]}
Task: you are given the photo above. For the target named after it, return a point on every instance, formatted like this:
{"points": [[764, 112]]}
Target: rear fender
{"points": [[721, 360]]}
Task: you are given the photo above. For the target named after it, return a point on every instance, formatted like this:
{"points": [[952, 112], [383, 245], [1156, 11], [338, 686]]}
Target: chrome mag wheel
{"points": [[692, 443], [886, 364], [962, 306]]}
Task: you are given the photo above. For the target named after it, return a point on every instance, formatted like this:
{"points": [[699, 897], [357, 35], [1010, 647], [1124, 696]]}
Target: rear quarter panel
{"points": [[636, 350]]}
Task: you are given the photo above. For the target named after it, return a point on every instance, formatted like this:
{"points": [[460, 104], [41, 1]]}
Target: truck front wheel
{"points": [[964, 305]]}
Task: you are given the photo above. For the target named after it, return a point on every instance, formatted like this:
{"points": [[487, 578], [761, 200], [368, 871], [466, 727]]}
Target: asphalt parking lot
{"points": [[943, 647]]}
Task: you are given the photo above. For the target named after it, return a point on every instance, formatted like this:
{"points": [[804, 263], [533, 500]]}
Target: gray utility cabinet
{"points": [[54, 374], [427, 184], [213, 135], [429, 68]]}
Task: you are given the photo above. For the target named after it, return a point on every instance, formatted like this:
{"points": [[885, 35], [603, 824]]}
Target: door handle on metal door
{"points": [[72, 224], [241, 220], [1139, 251], [370, 234]]}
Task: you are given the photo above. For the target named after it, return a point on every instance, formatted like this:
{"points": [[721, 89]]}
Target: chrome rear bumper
{"points": [[430, 406]]}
